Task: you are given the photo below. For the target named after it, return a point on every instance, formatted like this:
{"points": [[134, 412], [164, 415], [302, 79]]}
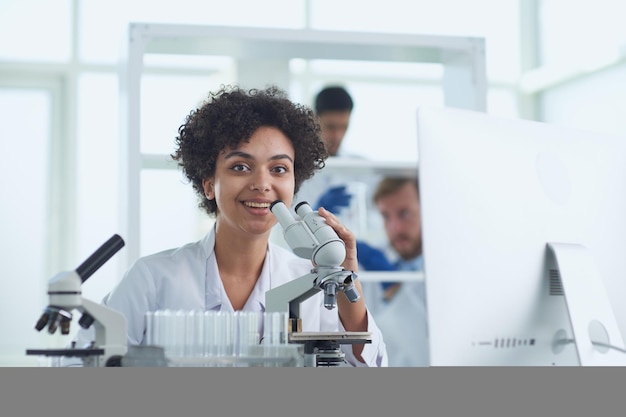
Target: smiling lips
{"points": [[255, 204]]}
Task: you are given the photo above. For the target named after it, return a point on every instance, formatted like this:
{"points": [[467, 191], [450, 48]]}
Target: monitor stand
{"points": [[588, 305]]}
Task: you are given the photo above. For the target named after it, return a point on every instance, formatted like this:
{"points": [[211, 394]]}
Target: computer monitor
{"points": [[524, 241]]}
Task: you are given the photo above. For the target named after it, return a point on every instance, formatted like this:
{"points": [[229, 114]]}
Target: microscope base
{"points": [[322, 349]]}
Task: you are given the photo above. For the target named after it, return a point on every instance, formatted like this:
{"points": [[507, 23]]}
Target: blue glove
{"points": [[334, 199], [372, 259]]}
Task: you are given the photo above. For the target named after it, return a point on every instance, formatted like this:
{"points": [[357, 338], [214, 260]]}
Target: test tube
{"points": [[224, 333], [194, 337], [177, 333], [162, 329], [275, 331], [209, 345], [247, 331], [150, 330], [275, 335]]}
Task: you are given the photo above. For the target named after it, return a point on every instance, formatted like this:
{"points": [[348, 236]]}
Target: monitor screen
{"points": [[524, 241]]}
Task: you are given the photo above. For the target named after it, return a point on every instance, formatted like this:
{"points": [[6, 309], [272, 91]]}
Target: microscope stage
{"points": [[340, 337], [65, 352]]}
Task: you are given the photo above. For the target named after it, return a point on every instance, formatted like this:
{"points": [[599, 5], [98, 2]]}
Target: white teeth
{"points": [[256, 205]]}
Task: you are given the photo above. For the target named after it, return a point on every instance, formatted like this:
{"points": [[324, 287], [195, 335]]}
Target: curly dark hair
{"points": [[232, 115]]}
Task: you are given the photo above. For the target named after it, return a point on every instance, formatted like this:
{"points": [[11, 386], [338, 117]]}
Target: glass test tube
{"points": [[275, 335], [247, 331]]}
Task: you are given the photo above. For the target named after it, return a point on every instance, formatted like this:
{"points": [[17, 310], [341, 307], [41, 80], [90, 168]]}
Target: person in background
{"points": [[242, 150], [333, 108], [399, 307]]}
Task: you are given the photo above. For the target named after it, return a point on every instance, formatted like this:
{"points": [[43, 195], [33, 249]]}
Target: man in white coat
{"points": [[399, 307]]}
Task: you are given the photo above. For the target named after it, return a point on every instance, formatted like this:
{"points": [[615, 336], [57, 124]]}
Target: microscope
{"points": [[311, 238], [64, 292]]}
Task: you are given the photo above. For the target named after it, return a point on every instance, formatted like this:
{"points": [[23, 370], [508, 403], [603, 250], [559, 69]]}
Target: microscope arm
{"points": [[65, 294], [287, 297], [110, 327], [311, 238]]}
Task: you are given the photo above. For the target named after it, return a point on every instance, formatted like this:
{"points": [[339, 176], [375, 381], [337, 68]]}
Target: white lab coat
{"points": [[402, 321], [187, 278]]}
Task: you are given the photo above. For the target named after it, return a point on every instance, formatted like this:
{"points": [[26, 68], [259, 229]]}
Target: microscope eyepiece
{"points": [[274, 202], [299, 204], [99, 257]]}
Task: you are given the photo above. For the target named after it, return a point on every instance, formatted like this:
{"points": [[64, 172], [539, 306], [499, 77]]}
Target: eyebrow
{"points": [[246, 155]]}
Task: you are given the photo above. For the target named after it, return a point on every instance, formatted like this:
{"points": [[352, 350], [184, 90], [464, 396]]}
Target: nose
{"points": [[335, 134], [394, 225], [261, 182]]}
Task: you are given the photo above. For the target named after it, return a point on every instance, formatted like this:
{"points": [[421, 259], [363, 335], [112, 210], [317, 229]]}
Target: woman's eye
{"points": [[280, 170], [240, 168]]}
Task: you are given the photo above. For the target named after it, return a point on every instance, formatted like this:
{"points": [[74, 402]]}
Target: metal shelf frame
{"points": [[262, 51]]}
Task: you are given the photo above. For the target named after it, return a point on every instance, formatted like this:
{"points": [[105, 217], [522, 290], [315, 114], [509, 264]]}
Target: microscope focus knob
{"points": [[86, 320]]}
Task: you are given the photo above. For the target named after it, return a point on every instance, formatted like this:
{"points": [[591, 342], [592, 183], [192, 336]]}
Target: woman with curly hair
{"points": [[242, 150]]}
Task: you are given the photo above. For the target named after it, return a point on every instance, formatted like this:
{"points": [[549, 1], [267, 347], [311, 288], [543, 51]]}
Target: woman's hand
{"points": [[353, 315], [351, 262]]}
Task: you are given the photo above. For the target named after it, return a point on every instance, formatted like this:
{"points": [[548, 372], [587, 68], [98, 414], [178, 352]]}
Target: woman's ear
{"points": [[209, 190]]}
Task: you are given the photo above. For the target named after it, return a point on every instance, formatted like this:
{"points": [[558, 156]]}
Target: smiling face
{"points": [[249, 178]]}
